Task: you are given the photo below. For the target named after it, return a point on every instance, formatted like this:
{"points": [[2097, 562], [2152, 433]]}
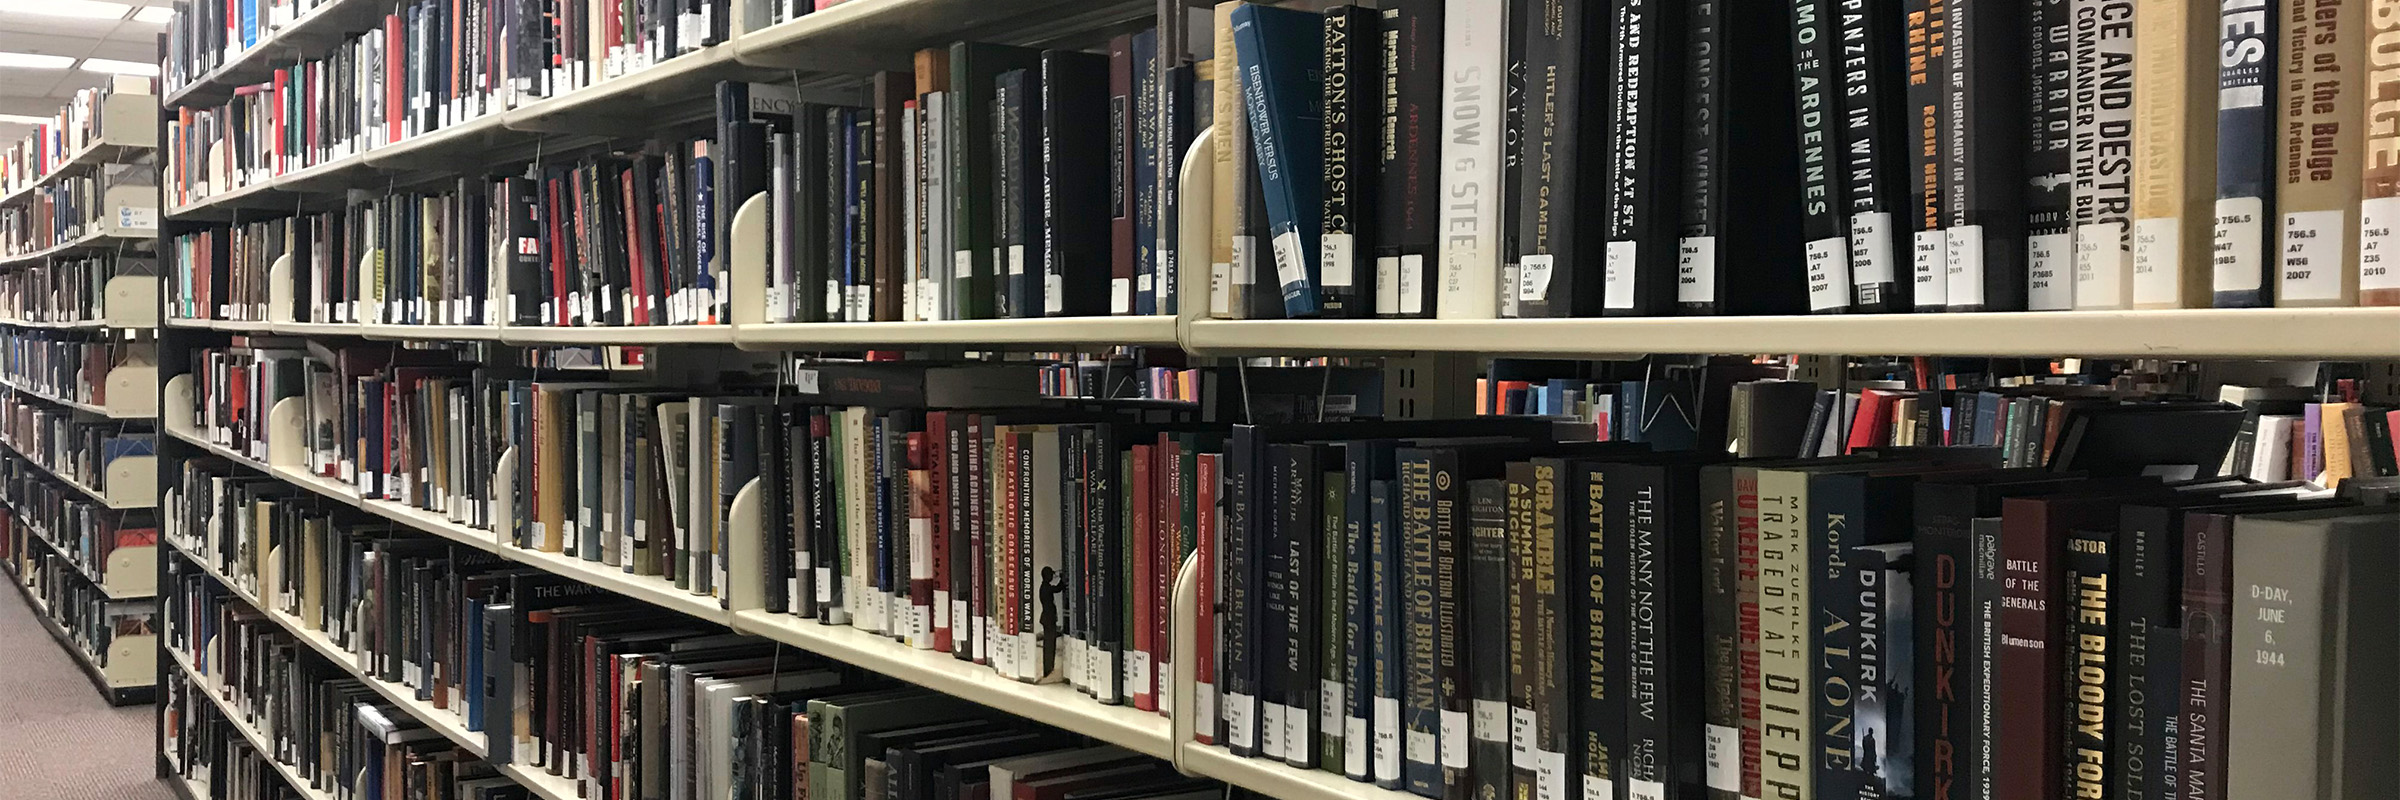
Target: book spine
{"points": [[1827, 254], [1359, 622], [1551, 163], [1241, 615], [1746, 599], [1474, 74], [2246, 136], [1984, 156], [2379, 204], [2050, 158], [1785, 643], [1279, 95], [2103, 131], [2318, 151], [1578, 708], [1489, 636], [2175, 141], [1150, 150], [1640, 258], [1883, 583], [1232, 150], [2090, 654], [2144, 642], [1353, 80], [1720, 617], [2031, 623], [1274, 606], [1836, 510], [1522, 632], [1302, 537], [1451, 544], [2207, 658], [1413, 173], [1390, 633], [1640, 592], [1871, 109], [1421, 715], [1703, 179], [1948, 712]]}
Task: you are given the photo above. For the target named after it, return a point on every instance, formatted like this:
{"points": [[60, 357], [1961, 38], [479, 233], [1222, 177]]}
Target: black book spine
{"points": [[1872, 110], [2246, 117], [1984, 156], [1579, 691], [1391, 174], [1353, 78], [1303, 553], [525, 285], [1643, 141], [1512, 150], [775, 535], [1549, 240], [1240, 618], [1949, 708], [1818, 100], [1074, 159], [2091, 655], [2050, 157], [1836, 509], [1739, 238], [1720, 626], [2147, 640], [1274, 605], [1421, 772], [1450, 545], [1390, 633], [1358, 622], [1489, 637], [801, 500], [1025, 262], [1884, 670], [1419, 76]]}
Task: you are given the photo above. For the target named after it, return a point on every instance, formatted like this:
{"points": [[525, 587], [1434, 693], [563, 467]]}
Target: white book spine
{"points": [[1474, 50], [2103, 141]]}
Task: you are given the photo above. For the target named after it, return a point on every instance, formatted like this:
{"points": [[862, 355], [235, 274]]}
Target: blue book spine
{"points": [[249, 24], [474, 670], [704, 222], [1281, 54], [1150, 152], [2246, 72], [1386, 635]]}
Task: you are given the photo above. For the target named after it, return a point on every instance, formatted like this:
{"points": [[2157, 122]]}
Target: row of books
{"points": [[2285, 436], [80, 205], [205, 746], [78, 529], [77, 126], [92, 620], [71, 445], [1113, 379], [206, 34], [67, 288], [1904, 156], [508, 653], [69, 368], [982, 184]]}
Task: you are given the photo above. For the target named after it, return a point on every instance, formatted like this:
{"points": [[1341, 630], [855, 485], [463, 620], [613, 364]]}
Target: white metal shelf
{"points": [[105, 235]]}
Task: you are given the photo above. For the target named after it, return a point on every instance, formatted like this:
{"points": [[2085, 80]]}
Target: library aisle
{"points": [[58, 739]]}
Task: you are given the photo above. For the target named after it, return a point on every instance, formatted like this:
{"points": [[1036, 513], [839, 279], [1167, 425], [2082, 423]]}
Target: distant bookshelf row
{"points": [[106, 630], [99, 125], [113, 379]]}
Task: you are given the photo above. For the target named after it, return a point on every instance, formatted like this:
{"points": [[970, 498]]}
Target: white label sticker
{"points": [[1356, 746], [2157, 261], [1637, 789], [1291, 265], [1299, 734], [1963, 264], [1724, 758], [2378, 248], [1137, 673], [1423, 748], [2100, 265], [1491, 721], [962, 264], [2240, 243], [1455, 730], [2314, 246], [1828, 273], [1337, 264], [1872, 263], [1330, 697], [942, 609], [1616, 287], [1270, 730], [1387, 286], [1240, 729], [1016, 259], [1520, 738], [2048, 283], [1550, 777], [1204, 695], [1533, 277], [1387, 739], [1412, 284], [1511, 307], [1696, 269], [1054, 293]]}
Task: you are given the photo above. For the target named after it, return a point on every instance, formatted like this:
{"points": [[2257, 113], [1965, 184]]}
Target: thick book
{"points": [[1928, 39], [1640, 262], [1983, 158], [2050, 158], [1281, 53], [1474, 45], [2207, 657], [2103, 133], [2318, 152], [2245, 264], [1560, 161], [2038, 647], [2378, 272], [2175, 151], [1737, 238], [1872, 107], [1648, 516], [1817, 96], [1409, 194], [1486, 585], [1353, 98], [2312, 643], [1074, 184]]}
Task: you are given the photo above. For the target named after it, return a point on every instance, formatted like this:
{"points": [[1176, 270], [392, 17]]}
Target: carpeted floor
{"points": [[58, 739]]}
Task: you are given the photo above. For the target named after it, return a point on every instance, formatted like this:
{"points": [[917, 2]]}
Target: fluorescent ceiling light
{"points": [[35, 61], [115, 67], [24, 119], [87, 9], [156, 15]]}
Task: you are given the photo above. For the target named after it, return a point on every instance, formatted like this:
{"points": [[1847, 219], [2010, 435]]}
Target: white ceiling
{"points": [[40, 92]]}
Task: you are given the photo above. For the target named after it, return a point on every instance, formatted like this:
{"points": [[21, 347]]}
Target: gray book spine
{"points": [[2312, 648]]}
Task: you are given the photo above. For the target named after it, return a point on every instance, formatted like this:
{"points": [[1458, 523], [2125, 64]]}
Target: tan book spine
{"points": [[1231, 134], [548, 476], [2103, 46], [2317, 151], [2378, 272], [2174, 154]]}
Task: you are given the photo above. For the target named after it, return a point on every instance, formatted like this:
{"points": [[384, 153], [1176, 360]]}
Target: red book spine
{"points": [[1204, 639], [1873, 424], [393, 74], [979, 578], [635, 310], [1005, 609], [555, 215], [1145, 550], [920, 540], [2207, 653], [1124, 152], [1170, 565], [2032, 556], [283, 97], [1745, 528], [937, 428]]}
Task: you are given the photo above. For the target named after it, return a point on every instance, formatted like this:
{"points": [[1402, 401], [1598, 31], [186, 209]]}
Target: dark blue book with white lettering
{"points": [[1281, 55]]}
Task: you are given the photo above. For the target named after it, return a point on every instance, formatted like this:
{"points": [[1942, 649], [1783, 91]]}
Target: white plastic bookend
{"points": [[132, 661], [1198, 183], [131, 571], [132, 390], [287, 431], [279, 290], [504, 498], [746, 262], [745, 581], [178, 411], [1184, 634], [131, 482], [130, 301]]}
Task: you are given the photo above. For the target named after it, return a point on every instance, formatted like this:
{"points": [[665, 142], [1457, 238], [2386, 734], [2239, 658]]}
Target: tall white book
{"points": [[1474, 95]]}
